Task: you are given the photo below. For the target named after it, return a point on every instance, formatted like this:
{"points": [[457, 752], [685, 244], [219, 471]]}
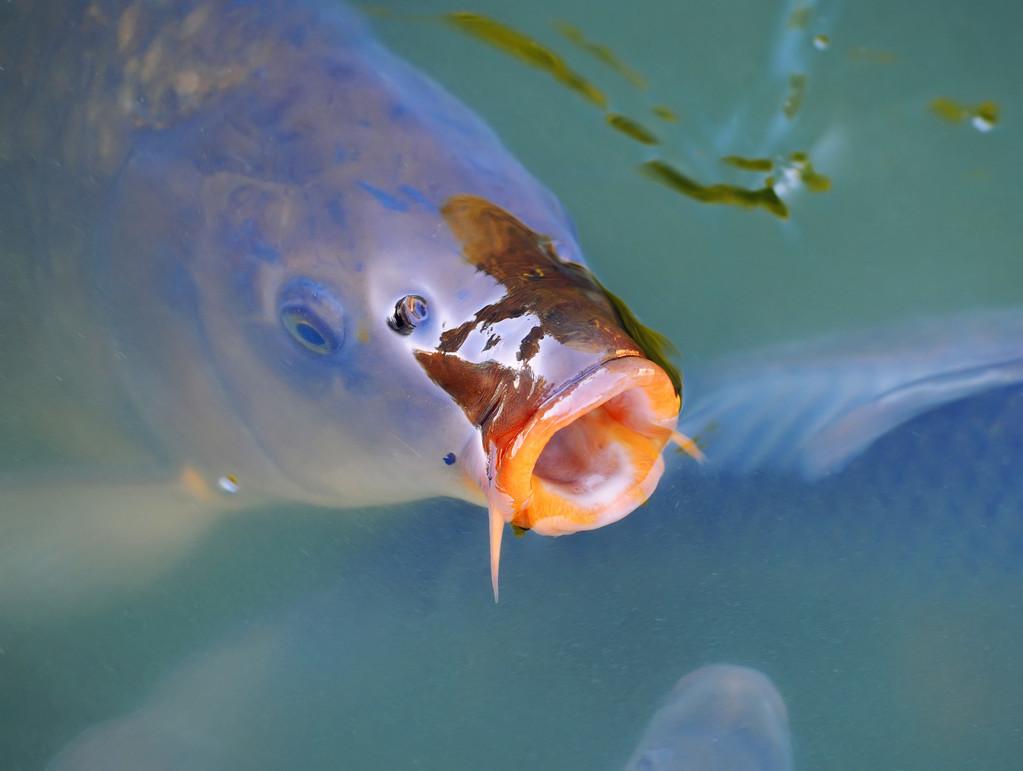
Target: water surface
{"points": [[883, 604]]}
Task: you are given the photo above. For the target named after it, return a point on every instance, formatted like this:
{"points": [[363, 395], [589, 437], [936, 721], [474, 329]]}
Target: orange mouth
{"points": [[588, 456]]}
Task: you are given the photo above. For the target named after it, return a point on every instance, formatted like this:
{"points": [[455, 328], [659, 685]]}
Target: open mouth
{"points": [[589, 455]]}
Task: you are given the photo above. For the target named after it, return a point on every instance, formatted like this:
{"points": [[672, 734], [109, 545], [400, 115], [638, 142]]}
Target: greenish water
{"points": [[887, 612]]}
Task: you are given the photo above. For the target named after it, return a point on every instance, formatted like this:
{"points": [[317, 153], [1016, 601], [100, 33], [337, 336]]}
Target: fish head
{"points": [[379, 345], [378, 358], [283, 332]]}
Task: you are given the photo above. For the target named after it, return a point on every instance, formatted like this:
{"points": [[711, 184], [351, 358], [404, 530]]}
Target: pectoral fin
{"points": [[66, 545], [811, 408]]}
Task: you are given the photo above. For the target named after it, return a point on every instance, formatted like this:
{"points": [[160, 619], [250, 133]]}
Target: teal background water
{"points": [[890, 622]]}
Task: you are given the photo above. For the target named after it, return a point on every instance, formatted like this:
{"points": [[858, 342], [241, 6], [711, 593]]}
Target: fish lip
{"points": [[647, 415], [571, 383], [560, 391]]}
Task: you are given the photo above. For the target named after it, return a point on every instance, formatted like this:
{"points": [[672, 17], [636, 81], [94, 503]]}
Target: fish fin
{"points": [[496, 533], [184, 718], [70, 544], [688, 446], [811, 408]]}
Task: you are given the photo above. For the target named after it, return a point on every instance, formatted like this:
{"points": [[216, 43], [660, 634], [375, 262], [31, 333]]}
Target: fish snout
{"points": [[591, 453]]}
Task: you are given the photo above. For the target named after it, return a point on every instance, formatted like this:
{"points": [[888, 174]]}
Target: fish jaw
{"points": [[590, 454]]}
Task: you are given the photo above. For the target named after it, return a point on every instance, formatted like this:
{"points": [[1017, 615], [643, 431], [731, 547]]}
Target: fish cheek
{"points": [[145, 252], [161, 311], [169, 268]]}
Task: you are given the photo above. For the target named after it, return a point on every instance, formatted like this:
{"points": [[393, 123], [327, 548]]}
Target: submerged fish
{"points": [[299, 270], [718, 718]]}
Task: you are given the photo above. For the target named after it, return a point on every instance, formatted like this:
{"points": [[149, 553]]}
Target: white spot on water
{"points": [[229, 484], [982, 124]]}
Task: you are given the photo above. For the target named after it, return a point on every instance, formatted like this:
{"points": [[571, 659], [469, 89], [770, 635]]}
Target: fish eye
{"points": [[308, 330], [313, 316], [409, 312]]}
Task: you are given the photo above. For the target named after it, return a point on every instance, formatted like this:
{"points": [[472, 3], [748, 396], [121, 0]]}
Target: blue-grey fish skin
{"points": [[811, 406], [719, 717], [901, 439], [183, 166], [940, 492]]}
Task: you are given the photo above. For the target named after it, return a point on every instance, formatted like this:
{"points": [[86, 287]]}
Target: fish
{"points": [[294, 269], [720, 717], [179, 727]]}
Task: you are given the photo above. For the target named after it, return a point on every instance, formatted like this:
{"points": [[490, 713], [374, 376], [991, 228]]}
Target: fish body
{"points": [[311, 274]]}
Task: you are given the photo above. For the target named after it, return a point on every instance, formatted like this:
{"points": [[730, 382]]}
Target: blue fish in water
{"points": [[296, 269], [718, 718]]}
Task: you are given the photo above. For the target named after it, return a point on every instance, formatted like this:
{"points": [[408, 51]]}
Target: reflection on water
{"points": [[882, 600]]}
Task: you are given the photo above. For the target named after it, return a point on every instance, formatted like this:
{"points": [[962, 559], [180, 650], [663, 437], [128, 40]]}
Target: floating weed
{"points": [[815, 181], [749, 164], [797, 170], [794, 98], [601, 52], [631, 128], [664, 113], [800, 17], [524, 48], [982, 117], [761, 198]]}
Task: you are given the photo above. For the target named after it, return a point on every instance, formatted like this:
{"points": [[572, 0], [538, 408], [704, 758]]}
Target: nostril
{"points": [[410, 312]]}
